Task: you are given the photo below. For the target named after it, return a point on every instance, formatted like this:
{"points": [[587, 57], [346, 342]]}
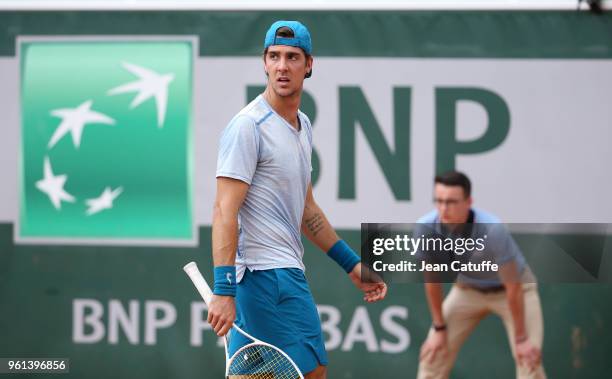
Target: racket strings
{"points": [[262, 362]]}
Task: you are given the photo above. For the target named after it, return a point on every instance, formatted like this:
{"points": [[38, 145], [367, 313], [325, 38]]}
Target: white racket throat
{"points": [[255, 358]]}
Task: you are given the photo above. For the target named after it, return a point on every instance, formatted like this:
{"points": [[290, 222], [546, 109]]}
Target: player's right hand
{"points": [[435, 345], [221, 314]]}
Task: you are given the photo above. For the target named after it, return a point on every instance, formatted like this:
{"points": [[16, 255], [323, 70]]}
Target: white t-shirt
{"points": [[262, 149]]}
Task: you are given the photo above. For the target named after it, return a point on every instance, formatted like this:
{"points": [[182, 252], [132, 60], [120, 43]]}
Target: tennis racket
{"points": [[256, 359]]}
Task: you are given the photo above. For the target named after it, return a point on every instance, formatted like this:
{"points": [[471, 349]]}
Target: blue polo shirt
{"points": [[500, 247]]}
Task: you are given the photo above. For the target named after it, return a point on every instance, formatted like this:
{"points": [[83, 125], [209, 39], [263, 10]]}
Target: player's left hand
{"points": [[528, 355], [374, 288]]}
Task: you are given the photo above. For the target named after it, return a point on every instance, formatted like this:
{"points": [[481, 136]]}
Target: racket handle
{"points": [[198, 280]]}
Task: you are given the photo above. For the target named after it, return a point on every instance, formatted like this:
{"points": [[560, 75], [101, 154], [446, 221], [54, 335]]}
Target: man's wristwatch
{"points": [[439, 328]]}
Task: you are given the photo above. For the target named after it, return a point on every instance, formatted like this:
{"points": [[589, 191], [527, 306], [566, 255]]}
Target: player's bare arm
{"points": [[436, 343], [315, 225], [526, 353], [230, 196], [319, 231]]}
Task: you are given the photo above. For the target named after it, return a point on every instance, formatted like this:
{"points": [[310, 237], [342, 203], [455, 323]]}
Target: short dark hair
{"points": [[286, 32], [455, 178]]}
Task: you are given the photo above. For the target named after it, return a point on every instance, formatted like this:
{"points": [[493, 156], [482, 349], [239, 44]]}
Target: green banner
{"points": [[106, 140], [439, 34], [128, 312]]}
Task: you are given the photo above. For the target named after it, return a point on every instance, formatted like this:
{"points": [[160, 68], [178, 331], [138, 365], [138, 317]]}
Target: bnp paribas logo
{"points": [[106, 149]]}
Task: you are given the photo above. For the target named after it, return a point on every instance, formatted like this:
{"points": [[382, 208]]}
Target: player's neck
{"points": [[286, 106]]}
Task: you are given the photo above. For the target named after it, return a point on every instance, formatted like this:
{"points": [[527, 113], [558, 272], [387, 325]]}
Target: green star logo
{"points": [[106, 154]]}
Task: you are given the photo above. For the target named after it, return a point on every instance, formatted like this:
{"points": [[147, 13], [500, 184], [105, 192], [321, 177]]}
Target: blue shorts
{"points": [[276, 306]]}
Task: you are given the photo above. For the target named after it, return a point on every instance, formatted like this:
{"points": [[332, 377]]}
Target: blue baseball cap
{"points": [[301, 35]]}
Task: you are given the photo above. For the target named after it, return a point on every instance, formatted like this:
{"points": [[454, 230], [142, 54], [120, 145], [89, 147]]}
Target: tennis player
{"points": [[264, 199]]}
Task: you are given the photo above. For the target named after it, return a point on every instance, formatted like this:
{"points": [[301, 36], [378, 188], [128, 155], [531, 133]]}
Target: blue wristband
{"points": [[342, 253], [225, 281]]}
